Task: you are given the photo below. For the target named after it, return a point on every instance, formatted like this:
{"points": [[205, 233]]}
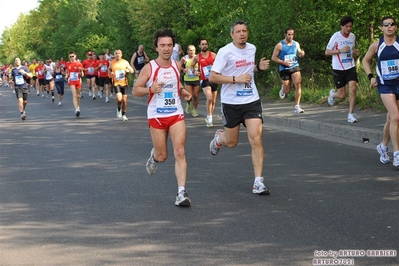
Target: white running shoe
{"points": [[182, 199], [106, 100], [331, 97], [213, 146], [384, 158], [94, 97], [260, 188], [59, 103], [124, 118], [89, 93], [208, 124], [281, 93], [298, 109], [42, 95], [118, 113], [396, 159], [23, 116], [77, 112], [151, 165], [352, 118]]}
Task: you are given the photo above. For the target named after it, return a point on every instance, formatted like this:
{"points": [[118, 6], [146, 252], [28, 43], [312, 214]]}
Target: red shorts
{"points": [[165, 122], [77, 84]]}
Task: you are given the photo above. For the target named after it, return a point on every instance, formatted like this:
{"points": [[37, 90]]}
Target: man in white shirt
{"points": [[234, 67]]}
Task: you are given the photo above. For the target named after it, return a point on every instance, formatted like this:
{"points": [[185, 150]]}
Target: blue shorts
{"points": [[388, 89]]}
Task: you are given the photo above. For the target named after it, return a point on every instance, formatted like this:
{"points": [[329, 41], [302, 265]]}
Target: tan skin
{"points": [[254, 126], [177, 132], [296, 77], [341, 92], [389, 100]]}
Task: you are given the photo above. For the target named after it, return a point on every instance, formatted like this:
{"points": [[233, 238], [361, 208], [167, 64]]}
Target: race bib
{"points": [[207, 71], [90, 71], [244, 89], [390, 69], [119, 74], [140, 60], [104, 68], [291, 58], [73, 76], [167, 102], [58, 77], [19, 80], [49, 76]]}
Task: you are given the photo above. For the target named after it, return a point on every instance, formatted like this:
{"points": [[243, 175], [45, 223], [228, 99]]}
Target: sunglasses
{"points": [[71, 56], [388, 24]]}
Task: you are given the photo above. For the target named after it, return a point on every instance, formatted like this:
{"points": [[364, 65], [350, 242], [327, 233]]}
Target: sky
{"points": [[10, 10]]}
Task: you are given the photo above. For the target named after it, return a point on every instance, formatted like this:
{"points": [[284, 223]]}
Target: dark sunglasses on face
{"points": [[71, 56], [388, 24]]}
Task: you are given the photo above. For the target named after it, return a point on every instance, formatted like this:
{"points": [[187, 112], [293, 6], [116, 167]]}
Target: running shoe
{"points": [[260, 188], [188, 108], [59, 103], [182, 199], [281, 93], [89, 93], [396, 159], [214, 147], [124, 118], [208, 124], [352, 118], [94, 97], [23, 115], [52, 99], [42, 95], [77, 112], [118, 113], [331, 97], [106, 100], [384, 158], [81, 95], [151, 165], [194, 113], [37, 93], [298, 109]]}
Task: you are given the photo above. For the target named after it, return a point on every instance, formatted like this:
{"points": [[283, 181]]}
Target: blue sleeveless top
{"points": [[388, 62], [288, 53]]}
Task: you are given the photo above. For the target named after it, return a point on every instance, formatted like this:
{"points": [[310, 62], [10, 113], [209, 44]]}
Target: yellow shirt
{"points": [[118, 68], [32, 68]]}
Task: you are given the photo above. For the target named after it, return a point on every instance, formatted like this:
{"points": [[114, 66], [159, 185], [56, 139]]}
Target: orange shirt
{"points": [[118, 68]]}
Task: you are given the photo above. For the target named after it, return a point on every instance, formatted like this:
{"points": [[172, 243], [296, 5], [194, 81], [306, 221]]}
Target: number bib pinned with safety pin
{"points": [[390, 69]]}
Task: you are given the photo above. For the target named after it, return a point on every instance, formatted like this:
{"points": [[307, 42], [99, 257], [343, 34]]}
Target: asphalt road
{"points": [[74, 191]]}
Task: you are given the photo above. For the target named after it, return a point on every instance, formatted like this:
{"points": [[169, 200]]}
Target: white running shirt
{"points": [[342, 61], [232, 61], [166, 103]]}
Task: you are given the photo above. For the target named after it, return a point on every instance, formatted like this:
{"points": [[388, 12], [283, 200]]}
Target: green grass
{"points": [[316, 91]]}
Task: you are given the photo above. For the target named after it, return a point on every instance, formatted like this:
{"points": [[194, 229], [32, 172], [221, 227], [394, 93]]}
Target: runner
{"points": [[191, 80], [59, 73], [49, 79], [138, 60], [119, 68], [88, 65], [19, 74], [39, 70], [74, 70], [234, 67], [33, 80], [103, 80], [205, 61], [160, 79]]}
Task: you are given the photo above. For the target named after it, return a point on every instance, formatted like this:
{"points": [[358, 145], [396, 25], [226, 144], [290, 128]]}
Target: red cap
{"points": [[88, 53]]}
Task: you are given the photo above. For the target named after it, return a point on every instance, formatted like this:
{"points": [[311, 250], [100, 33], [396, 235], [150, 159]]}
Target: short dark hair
{"points": [[387, 17], [287, 29], [345, 20], [164, 33], [203, 39], [71, 52], [237, 22]]}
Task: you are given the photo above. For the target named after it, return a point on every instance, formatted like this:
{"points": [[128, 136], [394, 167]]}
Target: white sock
{"points": [[258, 179], [181, 188], [209, 117]]}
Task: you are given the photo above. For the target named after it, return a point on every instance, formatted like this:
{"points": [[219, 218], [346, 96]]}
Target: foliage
{"points": [[59, 26]]}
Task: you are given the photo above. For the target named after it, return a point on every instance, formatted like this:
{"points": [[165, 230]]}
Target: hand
{"points": [[245, 78], [301, 53], [156, 86], [187, 96], [373, 82], [356, 51], [345, 49], [264, 64]]}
